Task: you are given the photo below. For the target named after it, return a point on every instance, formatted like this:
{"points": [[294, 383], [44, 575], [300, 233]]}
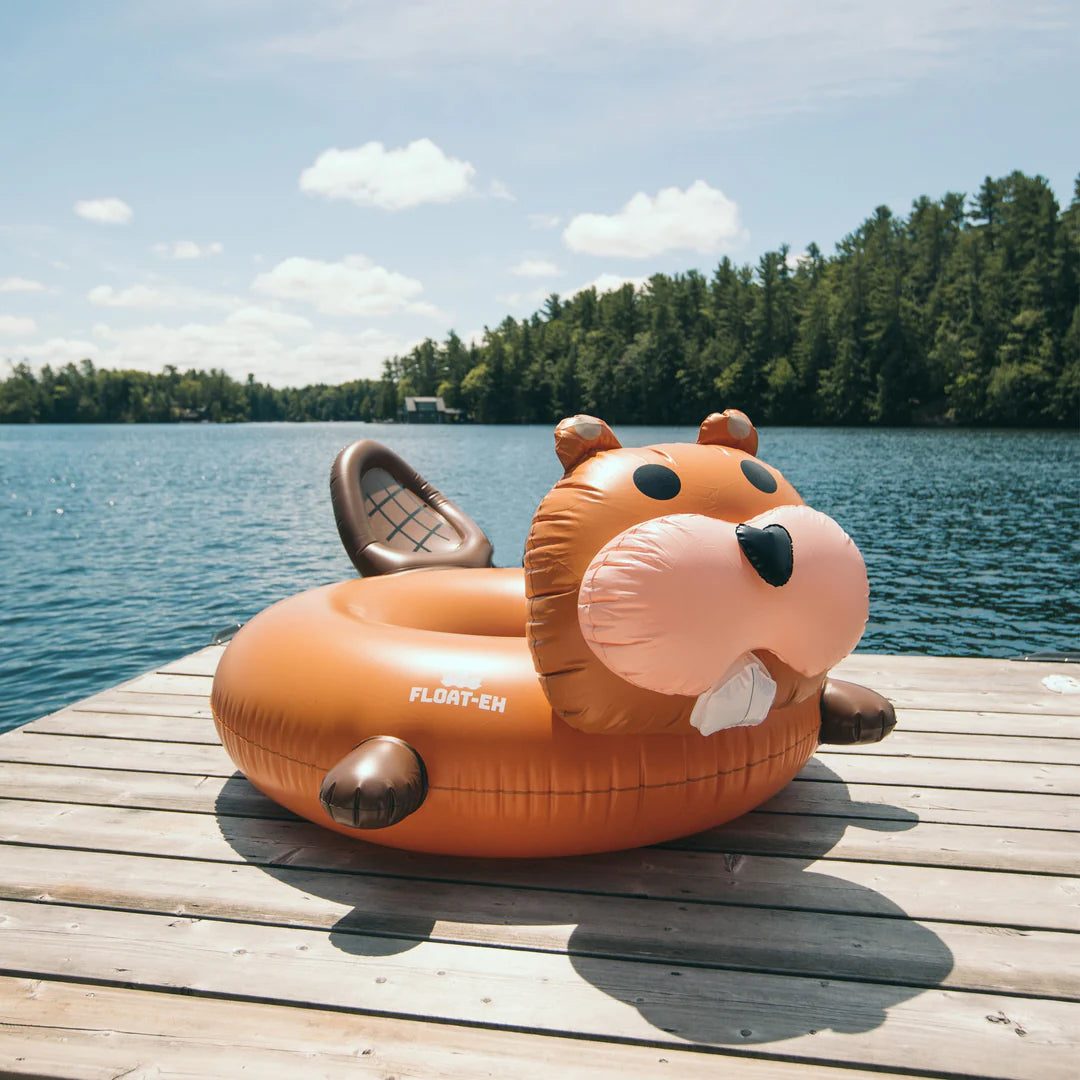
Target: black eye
{"points": [[759, 476], [657, 481]]}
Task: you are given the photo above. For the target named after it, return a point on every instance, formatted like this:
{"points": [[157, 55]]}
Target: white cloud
{"points": [[187, 249], [159, 296], [266, 319], [535, 268], [610, 282], [353, 286], [371, 175], [236, 348], [16, 325], [20, 284], [335, 358], [701, 219], [110, 211], [795, 259], [59, 350], [532, 299], [498, 190], [136, 296]]}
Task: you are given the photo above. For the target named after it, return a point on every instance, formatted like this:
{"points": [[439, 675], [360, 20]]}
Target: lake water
{"points": [[122, 547]]}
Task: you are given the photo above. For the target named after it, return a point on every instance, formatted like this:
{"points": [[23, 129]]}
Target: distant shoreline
{"points": [[929, 425]]}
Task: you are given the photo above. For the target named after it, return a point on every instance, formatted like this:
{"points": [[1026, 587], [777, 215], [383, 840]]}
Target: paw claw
{"points": [[852, 714], [378, 783]]}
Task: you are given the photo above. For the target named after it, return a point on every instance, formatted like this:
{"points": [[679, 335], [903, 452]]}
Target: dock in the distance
{"points": [[910, 908]]}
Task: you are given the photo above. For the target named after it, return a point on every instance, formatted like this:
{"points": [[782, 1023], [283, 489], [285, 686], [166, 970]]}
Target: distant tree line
{"points": [[84, 394], [965, 312]]}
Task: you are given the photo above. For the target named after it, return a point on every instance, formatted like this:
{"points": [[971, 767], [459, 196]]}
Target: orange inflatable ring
{"points": [[499, 712]]}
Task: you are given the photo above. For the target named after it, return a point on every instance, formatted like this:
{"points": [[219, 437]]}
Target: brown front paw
{"points": [[378, 783], [854, 714]]}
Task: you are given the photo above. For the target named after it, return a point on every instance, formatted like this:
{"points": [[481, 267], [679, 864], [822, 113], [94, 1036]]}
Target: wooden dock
{"points": [[908, 909]]}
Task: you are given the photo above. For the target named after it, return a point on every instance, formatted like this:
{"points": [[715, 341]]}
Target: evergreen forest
{"points": [[966, 312]]}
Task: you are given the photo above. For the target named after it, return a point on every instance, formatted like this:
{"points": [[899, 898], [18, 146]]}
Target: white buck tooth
{"points": [[742, 697]]}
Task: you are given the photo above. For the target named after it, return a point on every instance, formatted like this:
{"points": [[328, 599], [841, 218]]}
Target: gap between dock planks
{"points": [[114, 1032], [903, 944]]}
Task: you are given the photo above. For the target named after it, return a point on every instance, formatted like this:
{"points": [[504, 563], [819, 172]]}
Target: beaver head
{"points": [[684, 582]]}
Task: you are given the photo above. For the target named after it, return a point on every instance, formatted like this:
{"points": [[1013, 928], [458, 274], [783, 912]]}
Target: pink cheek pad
{"points": [[670, 604]]}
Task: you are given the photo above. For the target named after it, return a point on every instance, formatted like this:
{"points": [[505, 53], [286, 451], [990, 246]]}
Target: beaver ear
{"points": [[729, 428], [579, 437]]}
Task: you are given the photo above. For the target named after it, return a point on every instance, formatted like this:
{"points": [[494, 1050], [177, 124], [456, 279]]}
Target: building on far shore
{"points": [[427, 410]]}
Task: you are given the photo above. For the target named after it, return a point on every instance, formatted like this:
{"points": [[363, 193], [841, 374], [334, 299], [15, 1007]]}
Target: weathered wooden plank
{"points": [[115, 700], [948, 805], [773, 939], [176, 705], [30, 746], [140, 755], [759, 833], [964, 684], [146, 683], [1041, 901], [591, 997], [802, 798], [87, 1031], [152, 701], [1025, 725], [971, 701], [118, 725], [203, 662], [926, 843], [168, 685], [116, 787], [948, 672], [928, 744], [935, 772]]}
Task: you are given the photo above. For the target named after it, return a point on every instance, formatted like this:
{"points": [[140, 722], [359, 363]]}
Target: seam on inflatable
{"points": [[525, 791], [635, 787], [259, 746]]}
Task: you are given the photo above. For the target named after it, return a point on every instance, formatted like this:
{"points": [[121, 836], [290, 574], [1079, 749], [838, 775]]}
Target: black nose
{"points": [[768, 551]]}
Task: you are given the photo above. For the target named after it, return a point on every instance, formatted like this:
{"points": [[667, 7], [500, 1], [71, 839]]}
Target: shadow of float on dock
{"points": [[712, 939]]}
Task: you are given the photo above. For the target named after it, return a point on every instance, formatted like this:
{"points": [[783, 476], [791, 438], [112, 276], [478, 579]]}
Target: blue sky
{"points": [[301, 190]]}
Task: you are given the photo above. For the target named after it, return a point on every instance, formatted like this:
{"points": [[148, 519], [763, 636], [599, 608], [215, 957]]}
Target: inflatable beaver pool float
{"points": [[657, 668]]}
